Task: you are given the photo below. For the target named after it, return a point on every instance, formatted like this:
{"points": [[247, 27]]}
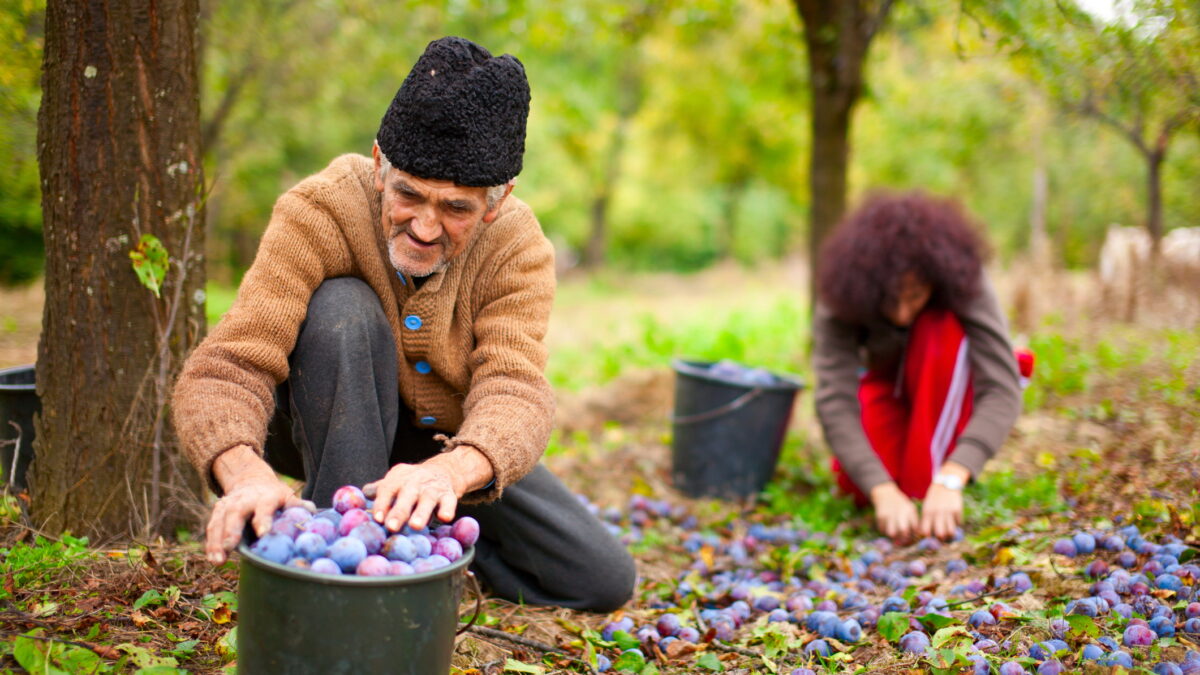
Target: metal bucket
{"points": [[727, 435], [18, 403], [296, 622]]}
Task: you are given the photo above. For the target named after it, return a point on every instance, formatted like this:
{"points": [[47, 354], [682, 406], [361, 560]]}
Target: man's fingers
{"points": [[213, 546], [402, 508], [446, 508], [385, 494], [423, 509]]}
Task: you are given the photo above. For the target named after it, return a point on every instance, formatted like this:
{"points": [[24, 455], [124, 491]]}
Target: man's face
{"points": [[427, 222]]}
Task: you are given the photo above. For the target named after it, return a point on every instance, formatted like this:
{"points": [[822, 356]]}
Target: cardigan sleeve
{"points": [[995, 379], [836, 365], [508, 412], [224, 395]]}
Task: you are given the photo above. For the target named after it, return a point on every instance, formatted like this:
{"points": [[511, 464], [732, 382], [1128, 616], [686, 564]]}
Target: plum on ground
{"points": [[668, 625], [1163, 626], [1167, 668], [818, 647], [688, 634], [1192, 626], [981, 617], [1085, 543], [1192, 611], [914, 642], [1012, 668], [1050, 667], [1091, 652], [1138, 636], [1065, 547], [849, 631]]}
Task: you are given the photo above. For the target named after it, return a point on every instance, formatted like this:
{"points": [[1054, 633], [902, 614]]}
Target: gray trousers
{"points": [[339, 421]]}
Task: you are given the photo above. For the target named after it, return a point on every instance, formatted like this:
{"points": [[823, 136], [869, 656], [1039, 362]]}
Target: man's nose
{"points": [[426, 226]]}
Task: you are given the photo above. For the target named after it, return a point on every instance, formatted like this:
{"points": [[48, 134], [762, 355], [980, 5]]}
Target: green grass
{"points": [[770, 336]]}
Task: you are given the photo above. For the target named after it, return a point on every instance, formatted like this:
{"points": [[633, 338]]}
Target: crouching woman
{"points": [[917, 382]]}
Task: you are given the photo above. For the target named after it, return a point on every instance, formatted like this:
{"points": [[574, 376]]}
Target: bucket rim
{"points": [[699, 369], [353, 579], [18, 370]]}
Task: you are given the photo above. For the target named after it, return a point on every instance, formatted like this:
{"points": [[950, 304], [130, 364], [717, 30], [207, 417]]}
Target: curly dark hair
{"points": [[890, 234]]}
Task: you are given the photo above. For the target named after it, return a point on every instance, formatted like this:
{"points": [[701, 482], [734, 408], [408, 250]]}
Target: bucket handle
{"points": [[736, 403], [478, 604]]}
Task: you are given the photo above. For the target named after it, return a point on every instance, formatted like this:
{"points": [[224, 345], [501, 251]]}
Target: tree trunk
{"points": [[726, 232], [1154, 162], [837, 34], [119, 153]]}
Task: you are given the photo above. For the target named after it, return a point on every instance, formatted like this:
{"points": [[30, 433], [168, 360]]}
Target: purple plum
{"points": [[448, 548], [347, 552], [466, 531], [274, 547], [325, 566], [348, 497], [1138, 636], [373, 566], [914, 642]]}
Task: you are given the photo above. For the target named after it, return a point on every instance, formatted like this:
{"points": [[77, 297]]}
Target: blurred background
{"points": [[663, 135]]}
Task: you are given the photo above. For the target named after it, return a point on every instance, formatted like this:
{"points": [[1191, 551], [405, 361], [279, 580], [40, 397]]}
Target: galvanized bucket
{"points": [[296, 622]]}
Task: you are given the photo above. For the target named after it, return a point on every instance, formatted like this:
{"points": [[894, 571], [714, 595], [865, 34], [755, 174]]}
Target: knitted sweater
{"points": [[478, 324], [840, 349]]}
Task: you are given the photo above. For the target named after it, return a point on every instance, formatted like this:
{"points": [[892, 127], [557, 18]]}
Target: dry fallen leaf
{"points": [[222, 614], [139, 619]]}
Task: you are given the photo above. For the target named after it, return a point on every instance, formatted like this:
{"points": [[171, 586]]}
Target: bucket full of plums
{"points": [[728, 427], [335, 592]]}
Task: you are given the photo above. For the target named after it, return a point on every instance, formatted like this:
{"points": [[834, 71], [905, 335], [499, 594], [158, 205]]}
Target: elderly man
{"points": [[390, 335]]}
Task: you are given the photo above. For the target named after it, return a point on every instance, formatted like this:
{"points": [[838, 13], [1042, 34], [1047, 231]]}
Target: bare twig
{"points": [[526, 642], [999, 592], [734, 649]]}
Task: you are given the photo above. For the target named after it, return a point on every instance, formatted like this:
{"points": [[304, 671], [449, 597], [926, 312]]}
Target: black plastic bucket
{"points": [[18, 402], [727, 434], [298, 622]]}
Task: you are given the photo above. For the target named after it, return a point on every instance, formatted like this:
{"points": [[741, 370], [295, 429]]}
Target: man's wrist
{"points": [[468, 468], [240, 464]]}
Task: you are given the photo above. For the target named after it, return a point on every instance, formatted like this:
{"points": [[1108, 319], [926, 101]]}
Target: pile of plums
{"points": [[1143, 601], [345, 540]]}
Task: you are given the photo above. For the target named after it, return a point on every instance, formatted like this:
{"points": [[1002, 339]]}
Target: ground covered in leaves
{"points": [[1110, 439]]}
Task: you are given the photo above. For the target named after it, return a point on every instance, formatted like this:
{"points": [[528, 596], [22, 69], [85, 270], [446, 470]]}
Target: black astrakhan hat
{"points": [[460, 115]]}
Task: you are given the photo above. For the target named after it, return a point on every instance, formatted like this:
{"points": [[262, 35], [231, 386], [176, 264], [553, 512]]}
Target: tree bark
{"points": [[837, 34], [119, 153]]}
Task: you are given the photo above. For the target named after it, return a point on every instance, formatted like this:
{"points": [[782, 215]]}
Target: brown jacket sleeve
{"points": [[836, 364], [225, 394], [995, 378], [509, 410]]}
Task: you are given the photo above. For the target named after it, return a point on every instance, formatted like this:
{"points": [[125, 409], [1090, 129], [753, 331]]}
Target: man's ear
{"points": [[495, 211], [378, 166]]}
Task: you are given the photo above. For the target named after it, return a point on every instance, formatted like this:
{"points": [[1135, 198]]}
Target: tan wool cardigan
{"points": [[480, 325]]}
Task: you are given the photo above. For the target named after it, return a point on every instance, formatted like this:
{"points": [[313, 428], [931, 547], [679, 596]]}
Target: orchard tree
{"points": [[1136, 71], [837, 34], [119, 154]]}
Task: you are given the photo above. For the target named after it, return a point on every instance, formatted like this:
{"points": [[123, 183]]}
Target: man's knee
{"points": [[611, 582], [343, 309]]}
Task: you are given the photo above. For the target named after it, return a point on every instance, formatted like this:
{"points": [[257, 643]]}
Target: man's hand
{"points": [[942, 510], [411, 492], [895, 513], [252, 493]]}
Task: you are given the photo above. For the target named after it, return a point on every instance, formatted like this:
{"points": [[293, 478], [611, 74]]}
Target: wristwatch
{"points": [[949, 481]]}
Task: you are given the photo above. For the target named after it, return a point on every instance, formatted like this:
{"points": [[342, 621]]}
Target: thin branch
{"points": [[734, 649], [527, 642]]}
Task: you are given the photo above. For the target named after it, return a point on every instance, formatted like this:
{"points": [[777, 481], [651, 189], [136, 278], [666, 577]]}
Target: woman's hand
{"points": [[942, 510], [895, 513]]}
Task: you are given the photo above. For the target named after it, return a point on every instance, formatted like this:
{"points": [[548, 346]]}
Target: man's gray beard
{"points": [[404, 271]]}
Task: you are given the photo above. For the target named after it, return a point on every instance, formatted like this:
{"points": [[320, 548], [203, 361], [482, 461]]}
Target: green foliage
{"points": [[893, 625], [21, 256], [32, 563], [1000, 495], [150, 262]]}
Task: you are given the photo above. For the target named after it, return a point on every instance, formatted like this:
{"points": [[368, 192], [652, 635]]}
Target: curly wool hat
{"points": [[460, 115]]}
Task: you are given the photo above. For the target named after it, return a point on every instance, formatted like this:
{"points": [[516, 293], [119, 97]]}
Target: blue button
{"points": [[412, 322], [427, 420], [423, 367]]}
